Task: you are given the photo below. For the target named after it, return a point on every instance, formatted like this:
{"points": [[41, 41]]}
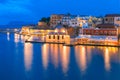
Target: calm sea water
{"points": [[36, 61]]}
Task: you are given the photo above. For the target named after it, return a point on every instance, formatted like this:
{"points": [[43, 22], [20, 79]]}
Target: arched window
{"points": [[58, 37], [62, 37], [53, 36], [49, 37]]}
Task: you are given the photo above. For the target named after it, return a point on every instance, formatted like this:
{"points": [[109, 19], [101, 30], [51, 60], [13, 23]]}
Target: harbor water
{"points": [[43, 61]]}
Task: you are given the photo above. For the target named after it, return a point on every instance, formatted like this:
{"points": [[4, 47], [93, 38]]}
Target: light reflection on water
{"points": [[83, 56], [80, 54], [59, 54], [8, 36], [65, 56], [28, 55], [16, 38], [58, 60], [54, 54], [107, 59], [45, 55]]}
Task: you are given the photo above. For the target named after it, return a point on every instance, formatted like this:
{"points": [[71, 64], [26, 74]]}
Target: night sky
{"points": [[33, 10]]}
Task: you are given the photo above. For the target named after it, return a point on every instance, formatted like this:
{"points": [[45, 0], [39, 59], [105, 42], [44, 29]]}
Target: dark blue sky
{"points": [[33, 10]]}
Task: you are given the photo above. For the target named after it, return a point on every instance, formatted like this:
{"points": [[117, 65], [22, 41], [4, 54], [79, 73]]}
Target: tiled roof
{"points": [[105, 26], [57, 33], [42, 27]]}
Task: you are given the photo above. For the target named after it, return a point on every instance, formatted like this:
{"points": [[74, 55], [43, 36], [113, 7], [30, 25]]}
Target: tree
{"points": [[68, 14], [44, 19]]}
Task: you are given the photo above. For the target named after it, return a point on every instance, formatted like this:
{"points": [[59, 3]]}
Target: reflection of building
{"points": [[54, 48], [28, 55], [16, 38], [45, 55], [59, 54], [65, 54], [107, 59], [80, 54], [8, 36]]}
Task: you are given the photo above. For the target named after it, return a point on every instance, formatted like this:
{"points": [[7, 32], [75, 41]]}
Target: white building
{"points": [[73, 21], [82, 22], [77, 21], [65, 20], [112, 19]]}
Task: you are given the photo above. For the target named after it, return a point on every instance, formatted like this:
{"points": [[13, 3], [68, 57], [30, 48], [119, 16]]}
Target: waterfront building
{"points": [[25, 30], [58, 36], [41, 31], [102, 29], [103, 34]]}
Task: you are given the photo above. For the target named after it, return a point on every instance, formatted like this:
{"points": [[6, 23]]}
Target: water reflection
{"points": [[45, 55], [16, 38], [54, 54], [110, 53], [28, 55], [8, 36], [107, 59], [58, 53], [65, 57], [80, 54]]}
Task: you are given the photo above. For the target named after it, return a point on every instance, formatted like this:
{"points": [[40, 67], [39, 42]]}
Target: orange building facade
{"points": [[105, 32]]}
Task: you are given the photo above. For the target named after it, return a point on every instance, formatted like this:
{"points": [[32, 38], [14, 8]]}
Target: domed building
{"points": [[60, 29], [58, 36]]}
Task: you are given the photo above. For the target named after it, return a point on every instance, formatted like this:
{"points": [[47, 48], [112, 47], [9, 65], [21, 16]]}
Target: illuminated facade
{"points": [[105, 32], [25, 30], [58, 36]]}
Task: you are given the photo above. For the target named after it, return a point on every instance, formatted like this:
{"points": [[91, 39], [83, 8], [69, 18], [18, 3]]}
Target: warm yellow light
{"points": [[54, 54], [63, 31], [80, 54], [56, 30], [28, 55], [45, 55], [65, 54], [107, 59]]}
